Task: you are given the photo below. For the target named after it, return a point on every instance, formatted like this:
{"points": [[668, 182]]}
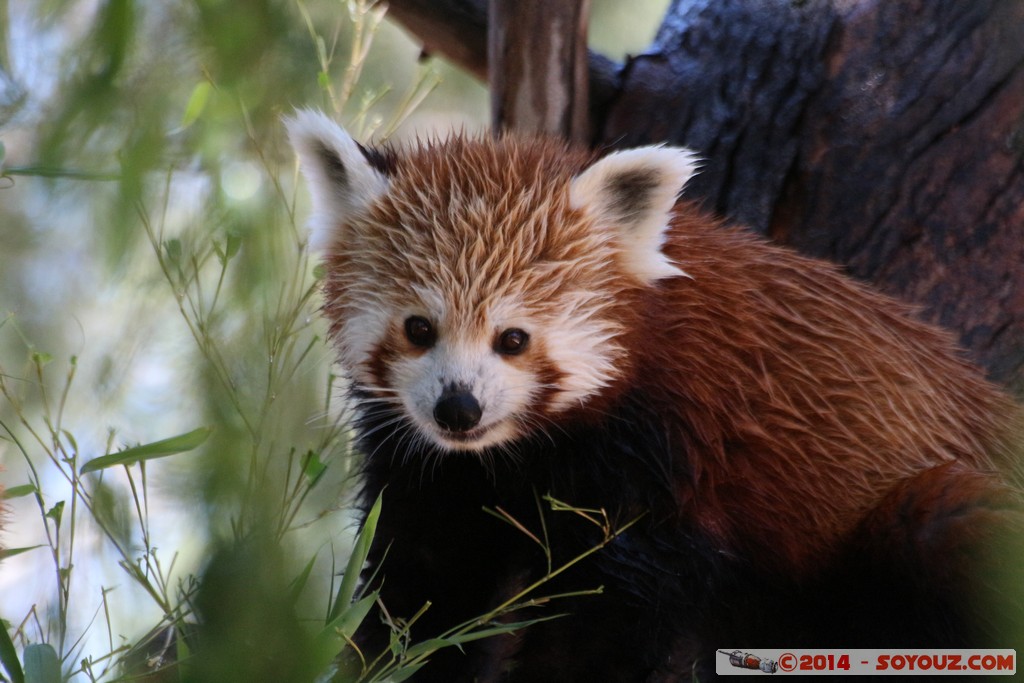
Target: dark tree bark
{"points": [[887, 136]]}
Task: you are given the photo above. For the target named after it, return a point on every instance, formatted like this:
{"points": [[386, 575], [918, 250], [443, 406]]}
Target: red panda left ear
{"points": [[344, 178], [633, 192]]}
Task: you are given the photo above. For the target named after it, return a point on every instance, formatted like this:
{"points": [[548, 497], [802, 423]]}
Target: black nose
{"points": [[457, 410]]}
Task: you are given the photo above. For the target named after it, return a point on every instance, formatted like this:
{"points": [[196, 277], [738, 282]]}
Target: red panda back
{"points": [[806, 396]]}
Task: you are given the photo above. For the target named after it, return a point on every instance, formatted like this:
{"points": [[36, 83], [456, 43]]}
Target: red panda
{"points": [[810, 466]]}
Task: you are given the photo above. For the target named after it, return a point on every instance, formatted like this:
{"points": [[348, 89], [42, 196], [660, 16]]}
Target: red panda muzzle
{"points": [[457, 410]]}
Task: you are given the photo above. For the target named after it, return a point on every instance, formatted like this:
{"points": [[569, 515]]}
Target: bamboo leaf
{"points": [[19, 491], [9, 657], [349, 620], [42, 665], [173, 249], [11, 552], [499, 629], [196, 103], [335, 635], [356, 561], [150, 451], [406, 673], [56, 512], [295, 589], [231, 245], [313, 468], [426, 647]]}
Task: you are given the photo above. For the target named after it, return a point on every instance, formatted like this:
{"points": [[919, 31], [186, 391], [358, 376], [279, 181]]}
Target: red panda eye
{"points": [[420, 332], [512, 342]]}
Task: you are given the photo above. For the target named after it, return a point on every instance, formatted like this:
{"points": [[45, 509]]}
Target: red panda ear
{"points": [[632, 192], [344, 178]]}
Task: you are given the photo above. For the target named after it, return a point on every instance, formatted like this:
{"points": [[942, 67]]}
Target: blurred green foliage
{"points": [[154, 282]]}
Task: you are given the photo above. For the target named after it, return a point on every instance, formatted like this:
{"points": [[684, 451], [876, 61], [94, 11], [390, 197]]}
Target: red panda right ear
{"points": [[344, 178], [632, 193]]}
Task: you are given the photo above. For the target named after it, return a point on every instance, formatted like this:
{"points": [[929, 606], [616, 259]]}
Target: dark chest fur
{"points": [[671, 594]]}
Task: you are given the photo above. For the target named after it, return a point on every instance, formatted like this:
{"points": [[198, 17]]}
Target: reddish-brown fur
{"points": [[804, 421], [806, 395]]}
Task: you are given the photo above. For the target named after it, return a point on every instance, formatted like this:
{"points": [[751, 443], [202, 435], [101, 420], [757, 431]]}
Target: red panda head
{"points": [[478, 286]]}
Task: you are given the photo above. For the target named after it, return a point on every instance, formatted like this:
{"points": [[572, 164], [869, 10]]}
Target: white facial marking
{"points": [[582, 346], [360, 334], [574, 339], [502, 390]]}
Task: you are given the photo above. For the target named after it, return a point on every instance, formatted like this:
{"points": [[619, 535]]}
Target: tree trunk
{"points": [[887, 136], [542, 89]]}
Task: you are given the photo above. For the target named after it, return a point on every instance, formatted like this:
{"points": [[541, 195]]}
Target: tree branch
{"points": [[457, 30], [542, 89]]}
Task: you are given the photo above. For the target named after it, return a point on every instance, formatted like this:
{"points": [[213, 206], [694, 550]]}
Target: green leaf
{"points": [[430, 645], [349, 620], [313, 468], [395, 644], [196, 103], [173, 249], [406, 673], [183, 652], [499, 629], [295, 589], [356, 561], [41, 358], [150, 451], [71, 440], [335, 635], [9, 657], [232, 245], [19, 491], [56, 512], [220, 253], [42, 665], [11, 552], [427, 647]]}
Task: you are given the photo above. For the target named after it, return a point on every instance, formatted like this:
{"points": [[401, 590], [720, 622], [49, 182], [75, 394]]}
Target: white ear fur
{"points": [[342, 181], [633, 192]]}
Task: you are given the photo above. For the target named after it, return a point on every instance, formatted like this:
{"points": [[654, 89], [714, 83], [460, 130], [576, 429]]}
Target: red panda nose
{"points": [[457, 410]]}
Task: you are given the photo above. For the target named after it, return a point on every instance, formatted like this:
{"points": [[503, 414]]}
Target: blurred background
{"points": [[156, 295]]}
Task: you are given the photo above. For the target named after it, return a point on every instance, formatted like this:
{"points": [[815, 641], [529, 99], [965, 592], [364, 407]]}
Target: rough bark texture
{"points": [[542, 89], [914, 150], [888, 136]]}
